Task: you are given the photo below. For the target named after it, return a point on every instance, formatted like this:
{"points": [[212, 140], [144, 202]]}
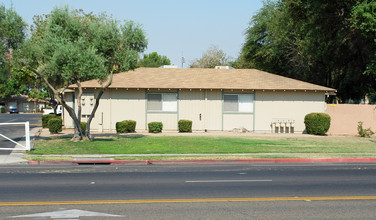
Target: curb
{"points": [[235, 161]]}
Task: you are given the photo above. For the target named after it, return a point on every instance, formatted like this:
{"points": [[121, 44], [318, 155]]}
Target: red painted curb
{"points": [[208, 161]]}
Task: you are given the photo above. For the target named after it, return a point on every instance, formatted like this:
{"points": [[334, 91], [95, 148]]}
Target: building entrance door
{"points": [[192, 107]]}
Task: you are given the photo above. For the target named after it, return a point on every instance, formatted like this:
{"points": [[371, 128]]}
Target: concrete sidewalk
{"points": [[17, 154]]}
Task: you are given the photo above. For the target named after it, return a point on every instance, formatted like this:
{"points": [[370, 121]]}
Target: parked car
{"points": [[13, 109], [59, 110]]}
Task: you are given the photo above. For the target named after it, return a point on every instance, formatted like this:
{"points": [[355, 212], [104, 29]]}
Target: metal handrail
{"points": [[27, 135]]}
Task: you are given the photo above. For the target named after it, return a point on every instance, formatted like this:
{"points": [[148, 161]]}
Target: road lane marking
{"points": [[67, 214], [224, 181], [97, 202]]}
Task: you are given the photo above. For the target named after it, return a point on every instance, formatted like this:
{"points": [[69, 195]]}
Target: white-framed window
{"points": [[238, 103], [165, 102]]}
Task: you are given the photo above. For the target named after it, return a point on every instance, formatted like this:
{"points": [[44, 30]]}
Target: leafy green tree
{"points": [[12, 35], [211, 58], [313, 40], [364, 19], [69, 46], [154, 60]]}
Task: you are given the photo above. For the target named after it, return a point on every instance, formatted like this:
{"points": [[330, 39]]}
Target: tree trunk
{"points": [[60, 99], [103, 89], [78, 136], [78, 133]]}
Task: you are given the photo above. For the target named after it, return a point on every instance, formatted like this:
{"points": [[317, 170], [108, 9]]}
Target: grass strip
{"points": [[204, 145]]}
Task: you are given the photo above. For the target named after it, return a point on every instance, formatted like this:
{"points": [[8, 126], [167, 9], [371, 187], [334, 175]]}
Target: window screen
{"points": [[155, 102], [231, 103], [162, 102], [238, 103]]}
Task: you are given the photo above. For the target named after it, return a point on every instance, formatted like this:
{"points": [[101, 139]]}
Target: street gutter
{"points": [[197, 161]]}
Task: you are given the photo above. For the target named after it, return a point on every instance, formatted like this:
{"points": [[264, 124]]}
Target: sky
{"points": [[173, 28]]}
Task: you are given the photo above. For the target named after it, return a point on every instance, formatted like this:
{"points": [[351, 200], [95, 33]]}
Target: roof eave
{"points": [[217, 88]]}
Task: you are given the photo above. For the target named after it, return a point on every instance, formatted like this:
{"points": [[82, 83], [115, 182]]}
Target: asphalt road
{"points": [[16, 132], [324, 191]]}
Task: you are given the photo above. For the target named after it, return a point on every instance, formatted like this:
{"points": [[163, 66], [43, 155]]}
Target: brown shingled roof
{"points": [[197, 78]]}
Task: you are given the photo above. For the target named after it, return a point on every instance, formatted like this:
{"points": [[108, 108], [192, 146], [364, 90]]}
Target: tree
{"points": [[154, 60], [314, 41], [211, 58], [364, 19], [69, 46], [12, 35]]}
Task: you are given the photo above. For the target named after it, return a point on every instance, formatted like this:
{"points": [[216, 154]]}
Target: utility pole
{"points": [[182, 60]]}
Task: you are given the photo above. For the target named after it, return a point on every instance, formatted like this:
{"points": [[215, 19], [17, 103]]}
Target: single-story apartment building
{"points": [[213, 99], [24, 103]]}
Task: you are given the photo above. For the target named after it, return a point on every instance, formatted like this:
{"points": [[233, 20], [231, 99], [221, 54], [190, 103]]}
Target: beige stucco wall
{"points": [[128, 105], [345, 118], [169, 120], [114, 106], [271, 105], [208, 104], [67, 120], [231, 121], [191, 106], [122, 104], [204, 103], [213, 113]]}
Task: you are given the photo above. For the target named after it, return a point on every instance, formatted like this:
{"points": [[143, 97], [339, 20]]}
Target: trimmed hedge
{"points": [[83, 126], [126, 126], [55, 125], [155, 127], [46, 118], [317, 123], [185, 125]]}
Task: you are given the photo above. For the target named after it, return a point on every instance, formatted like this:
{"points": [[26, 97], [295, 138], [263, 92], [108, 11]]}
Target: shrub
{"points": [[185, 125], [155, 127], [364, 132], [126, 126], [55, 125], [2, 110], [317, 123], [46, 118], [120, 127], [83, 126]]}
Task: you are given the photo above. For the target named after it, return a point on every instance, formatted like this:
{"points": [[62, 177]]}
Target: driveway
{"points": [[16, 132]]}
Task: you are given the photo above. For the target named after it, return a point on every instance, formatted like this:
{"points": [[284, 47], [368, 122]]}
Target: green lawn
{"points": [[197, 145]]}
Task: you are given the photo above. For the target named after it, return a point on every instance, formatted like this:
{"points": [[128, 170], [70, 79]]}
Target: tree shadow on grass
{"points": [[115, 137], [97, 137], [129, 135], [61, 137]]}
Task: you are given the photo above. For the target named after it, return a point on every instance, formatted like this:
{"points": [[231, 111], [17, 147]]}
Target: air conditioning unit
{"points": [[223, 67]]}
